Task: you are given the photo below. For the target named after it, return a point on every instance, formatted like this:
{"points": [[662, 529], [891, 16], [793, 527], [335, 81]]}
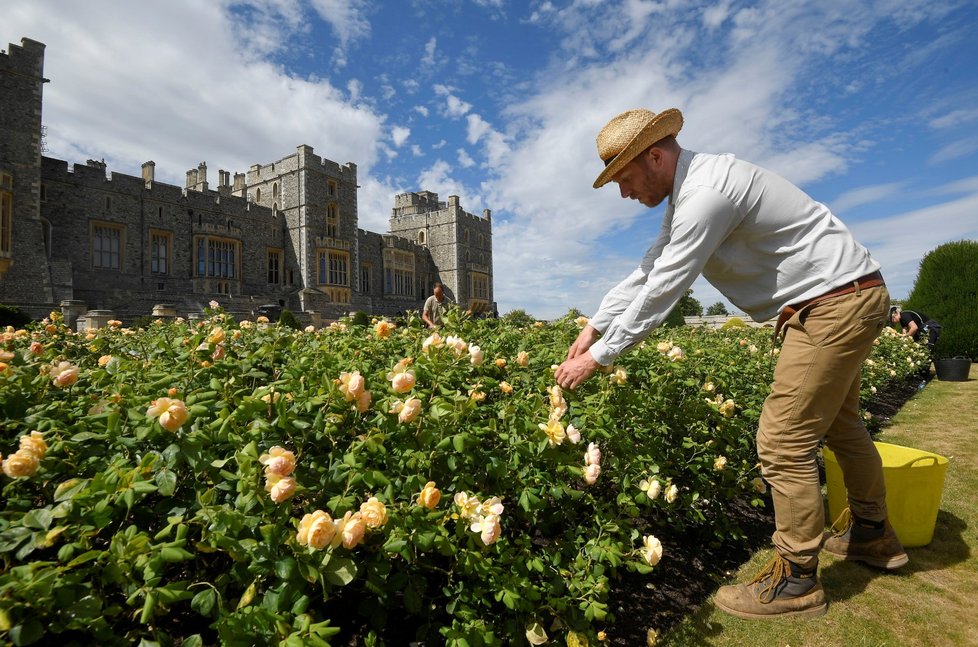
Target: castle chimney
{"points": [[149, 172], [202, 176], [487, 213], [240, 188]]}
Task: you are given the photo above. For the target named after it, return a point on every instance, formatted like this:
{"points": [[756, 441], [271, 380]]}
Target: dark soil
{"points": [[690, 571]]}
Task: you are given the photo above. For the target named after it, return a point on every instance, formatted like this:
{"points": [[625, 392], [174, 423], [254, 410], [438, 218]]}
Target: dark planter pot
{"points": [[953, 370]]}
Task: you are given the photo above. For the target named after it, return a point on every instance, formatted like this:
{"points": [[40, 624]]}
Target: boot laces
{"points": [[776, 571]]}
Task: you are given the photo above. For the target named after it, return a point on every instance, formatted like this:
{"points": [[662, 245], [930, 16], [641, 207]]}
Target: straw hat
{"points": [[630, 133]]}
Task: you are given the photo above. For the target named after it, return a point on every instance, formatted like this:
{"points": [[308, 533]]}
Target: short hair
{"points": [[437, 284]]}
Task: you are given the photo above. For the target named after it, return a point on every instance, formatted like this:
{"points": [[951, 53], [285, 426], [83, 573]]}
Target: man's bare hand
{"points": [[574, 372], [583, 342]]}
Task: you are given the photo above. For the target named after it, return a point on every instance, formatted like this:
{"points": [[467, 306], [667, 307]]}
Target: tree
{"points": [[717, 309], [946, 289], [689, 306]]}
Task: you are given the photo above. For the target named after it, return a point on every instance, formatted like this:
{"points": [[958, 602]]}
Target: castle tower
{"points": [[25, 276], [460, 244]]}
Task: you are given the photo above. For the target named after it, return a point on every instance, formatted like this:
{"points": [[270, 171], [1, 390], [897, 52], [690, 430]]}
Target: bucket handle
{"points": [[933, 460]]}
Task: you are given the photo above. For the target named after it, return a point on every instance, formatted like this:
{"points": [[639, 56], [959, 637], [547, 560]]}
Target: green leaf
{"points": [[27, 633], [39, 518], [166, 481], [70, 488], [340, 571], [203, 603]]}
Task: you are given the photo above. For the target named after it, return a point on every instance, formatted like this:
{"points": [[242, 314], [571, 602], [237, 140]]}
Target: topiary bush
{"points": [[287, 318], [734, 322], [946, 289]]}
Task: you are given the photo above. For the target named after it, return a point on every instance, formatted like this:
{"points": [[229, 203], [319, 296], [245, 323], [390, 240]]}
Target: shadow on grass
{"points": [[843, 580]]}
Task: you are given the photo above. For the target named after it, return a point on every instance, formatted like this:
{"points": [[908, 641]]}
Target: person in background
{"points": [[434, 307], [771, 250], [913, 324]]}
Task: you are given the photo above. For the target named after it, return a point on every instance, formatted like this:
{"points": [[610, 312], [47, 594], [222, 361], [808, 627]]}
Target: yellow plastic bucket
{"points": [[914, 483]]}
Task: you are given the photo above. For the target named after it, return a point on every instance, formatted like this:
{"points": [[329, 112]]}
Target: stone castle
{"points": [[283, 233]]}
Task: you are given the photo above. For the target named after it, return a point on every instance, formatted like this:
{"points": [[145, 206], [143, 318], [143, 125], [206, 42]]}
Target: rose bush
{"points": [[283, 489]]}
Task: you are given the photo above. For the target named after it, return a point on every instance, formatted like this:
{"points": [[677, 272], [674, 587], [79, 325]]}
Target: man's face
{"points": [[895, 317], [644, 179], [437, 291]]}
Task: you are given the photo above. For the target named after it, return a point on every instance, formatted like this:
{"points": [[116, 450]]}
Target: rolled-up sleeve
{"points": [[702, 220]]}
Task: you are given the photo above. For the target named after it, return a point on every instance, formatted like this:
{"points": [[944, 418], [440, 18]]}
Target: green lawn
{"points": [[931, 601]]}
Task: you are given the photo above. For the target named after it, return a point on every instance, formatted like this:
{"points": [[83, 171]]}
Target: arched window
{"points": [[257, 195], [275, 210], [275, 191], [332, 220], [421, 237], [465, 236], [482, 240]]}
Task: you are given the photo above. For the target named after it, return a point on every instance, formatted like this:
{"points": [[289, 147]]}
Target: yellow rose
{"points": [[21, 463], [720, 464], [373, 512], [103, 360], [651, 550], [554, 430], [430, 496], [501, 362], [522, 358], [217, 336], [316, 530], [34, 444], [383, 329], [506, 387]]}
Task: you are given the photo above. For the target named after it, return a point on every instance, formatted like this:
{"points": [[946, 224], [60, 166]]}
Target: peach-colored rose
{"points": [[280, 487], [363, 402], [506, 387], [350, 530], [410, 410], [278, 461], [214, 305], [501, 362], [676, 354], [581, 321], [103, 360], [261, 319], [310, 329], [458, 344], [488, 528], [172, 413], [36, 348], [351, 385], [492, 505], [316, 530], [593, 455], [433, 341], [573, 434], [477, 395], [430, 496], [114, 323], [21, 463], [64, 374], [218, 353], [477, 356], [591, 474], [403, 382], [373, 512], [522, 358], [34, 444], [664, 347], [6, 355], [728, 408]]}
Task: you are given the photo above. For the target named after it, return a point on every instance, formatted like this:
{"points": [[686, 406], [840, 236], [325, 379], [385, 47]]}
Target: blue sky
{"points": [[870, 106]]}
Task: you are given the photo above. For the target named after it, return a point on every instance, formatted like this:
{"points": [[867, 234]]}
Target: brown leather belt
{"points": [[862, 283]]}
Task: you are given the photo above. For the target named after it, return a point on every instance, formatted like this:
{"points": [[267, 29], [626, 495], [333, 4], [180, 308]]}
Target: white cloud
{"points": [[455, 107], [421, 110], [429, 52], [183, 99], [864, 195], [954, 118], [416, 150], [399, 135], [346, 17], [464, 160], [715, 15], [477, 127], [955, 150]]}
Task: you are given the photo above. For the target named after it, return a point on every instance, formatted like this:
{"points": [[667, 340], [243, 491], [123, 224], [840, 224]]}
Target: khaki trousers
{"points": [[815, 397]]}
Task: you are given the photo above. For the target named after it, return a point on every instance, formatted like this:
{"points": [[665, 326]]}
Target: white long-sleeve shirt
{"points": [[759, 239]]}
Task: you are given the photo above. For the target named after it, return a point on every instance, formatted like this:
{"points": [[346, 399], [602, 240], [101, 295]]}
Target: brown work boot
{"points": [[782, 589], [874, 543]]}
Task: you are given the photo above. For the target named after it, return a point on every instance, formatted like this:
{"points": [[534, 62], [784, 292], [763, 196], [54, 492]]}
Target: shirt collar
{"points": [[682, 168]]}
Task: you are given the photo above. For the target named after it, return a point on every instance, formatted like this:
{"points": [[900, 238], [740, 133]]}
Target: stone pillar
{"points": [[95, 319], [165, 310], [71, 309]]}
